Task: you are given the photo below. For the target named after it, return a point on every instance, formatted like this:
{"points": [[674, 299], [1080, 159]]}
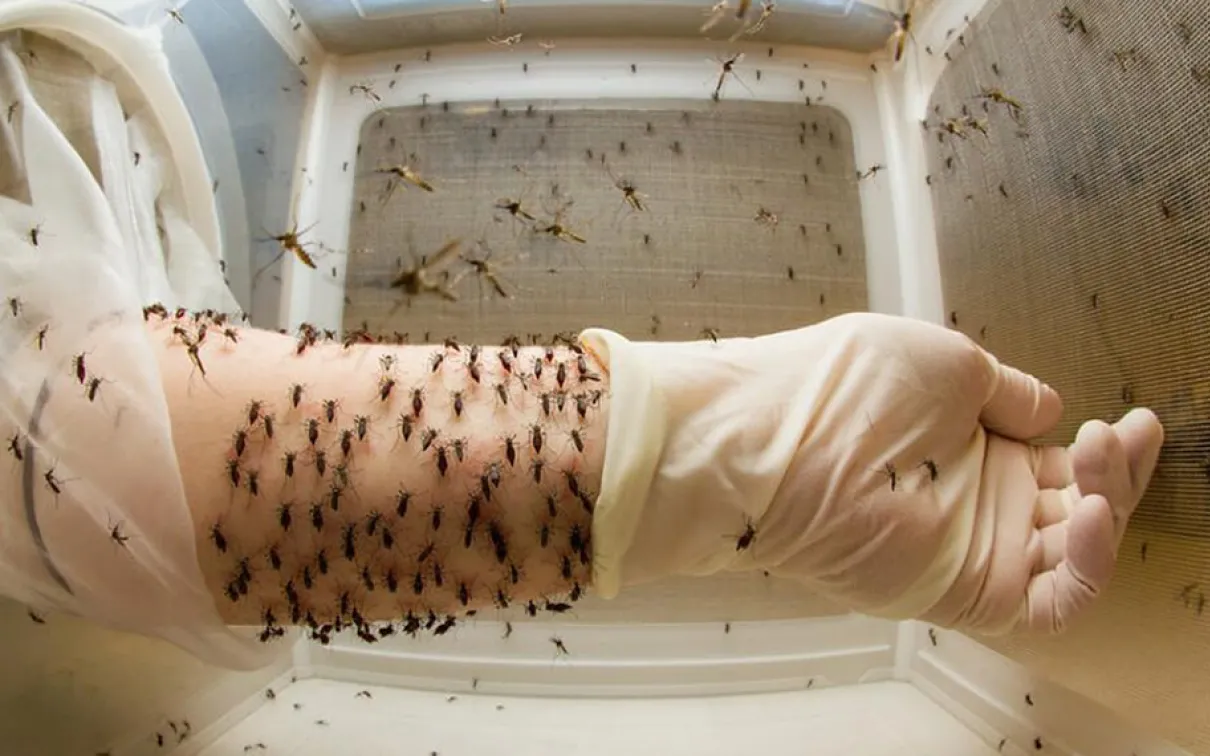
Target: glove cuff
{"points": [[634, 439], [699, 438]]}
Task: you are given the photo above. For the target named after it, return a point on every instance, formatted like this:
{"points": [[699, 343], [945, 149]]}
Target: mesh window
{"points": [[1073, 240]]}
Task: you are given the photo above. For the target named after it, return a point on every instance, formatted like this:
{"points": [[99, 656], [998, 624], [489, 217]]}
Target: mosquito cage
{"points": [[1032, 173]]}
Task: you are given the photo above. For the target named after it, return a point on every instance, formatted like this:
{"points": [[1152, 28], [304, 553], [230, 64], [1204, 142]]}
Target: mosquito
{"points": [[903, 30], [117, 536], [1070, 21], [290, 241], [501, 5], [485, 269], [1124, 57], [716, 14], [508, 41], [767, 7], [766, 217], [870, 172], [514, 208], [996, 95], [367, 90], [727, 67], [978, 124], [558, 230], [744, 541], [630, 193], [423, 278], [408, 174], [953, 127]]}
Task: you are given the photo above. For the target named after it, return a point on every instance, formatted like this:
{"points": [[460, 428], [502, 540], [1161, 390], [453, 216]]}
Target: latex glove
{"points": [[879, 460]]}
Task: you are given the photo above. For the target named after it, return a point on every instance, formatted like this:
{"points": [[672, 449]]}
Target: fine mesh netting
{"points": [[695, 258], [1073, 242], [699, 255]]}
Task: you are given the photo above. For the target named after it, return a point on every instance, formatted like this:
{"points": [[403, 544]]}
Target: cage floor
{"points": [[873, 720]]}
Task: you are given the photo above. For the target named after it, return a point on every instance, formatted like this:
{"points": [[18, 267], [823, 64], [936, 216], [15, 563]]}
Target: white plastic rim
{"points": [[107, 43]]}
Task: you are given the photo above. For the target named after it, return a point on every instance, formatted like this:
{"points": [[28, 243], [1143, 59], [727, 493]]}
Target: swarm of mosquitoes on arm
{"points": [[329, 562]]}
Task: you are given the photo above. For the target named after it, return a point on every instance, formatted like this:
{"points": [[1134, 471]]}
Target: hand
{"points": [[883, 462]]}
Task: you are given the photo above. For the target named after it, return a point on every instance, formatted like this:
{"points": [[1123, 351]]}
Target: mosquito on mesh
{"points": [[485, 268]]}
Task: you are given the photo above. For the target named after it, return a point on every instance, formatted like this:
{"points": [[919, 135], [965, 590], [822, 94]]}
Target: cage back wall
{"points": [[1032, 173]]}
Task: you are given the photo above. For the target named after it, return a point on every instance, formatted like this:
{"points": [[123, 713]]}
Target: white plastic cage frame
{"points": [[994, 698]]}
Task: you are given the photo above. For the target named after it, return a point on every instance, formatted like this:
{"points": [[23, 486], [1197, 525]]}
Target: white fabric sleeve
{"points": [[93, 516]]}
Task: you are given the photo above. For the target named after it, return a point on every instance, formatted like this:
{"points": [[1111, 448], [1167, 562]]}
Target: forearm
{"points": [[379, 481]]}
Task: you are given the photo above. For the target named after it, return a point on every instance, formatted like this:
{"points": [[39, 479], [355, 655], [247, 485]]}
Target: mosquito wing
{"points": [[443, 256]]}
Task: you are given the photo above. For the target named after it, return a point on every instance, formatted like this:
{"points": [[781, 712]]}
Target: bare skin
{"points": [[332, 517]]}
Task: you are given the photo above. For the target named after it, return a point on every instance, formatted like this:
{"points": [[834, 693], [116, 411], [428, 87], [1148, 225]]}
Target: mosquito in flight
{"points": [[289, 241], [903, 30], [427, 277]]}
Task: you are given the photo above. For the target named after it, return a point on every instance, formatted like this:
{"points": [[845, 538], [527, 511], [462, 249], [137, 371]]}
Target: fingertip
{"points": [[1142, 436], [1091, 541]]}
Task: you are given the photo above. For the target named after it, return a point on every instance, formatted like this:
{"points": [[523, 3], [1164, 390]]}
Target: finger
{"points": [[1021, 407], [1054, 598], [1051, 466], [1054, 546], [1054, 505], [1098, 460], [1142, 436]]}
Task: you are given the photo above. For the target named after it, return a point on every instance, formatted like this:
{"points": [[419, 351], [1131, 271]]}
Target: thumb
{"points": [[1020, 407]]}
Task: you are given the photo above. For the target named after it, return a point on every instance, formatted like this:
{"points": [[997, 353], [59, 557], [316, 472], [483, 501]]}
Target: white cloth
{"points": [[89, 234], [879, 460]]}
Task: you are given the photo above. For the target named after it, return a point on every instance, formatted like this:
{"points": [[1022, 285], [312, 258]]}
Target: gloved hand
{"points": [[879, 460]]}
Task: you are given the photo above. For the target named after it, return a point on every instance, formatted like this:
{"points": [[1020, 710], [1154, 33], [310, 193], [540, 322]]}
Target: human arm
{"points": [[513, 445]]}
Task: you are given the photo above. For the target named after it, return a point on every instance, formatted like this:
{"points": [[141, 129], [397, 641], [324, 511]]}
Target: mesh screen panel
{"points": [[694, 258], [1075, 244]]}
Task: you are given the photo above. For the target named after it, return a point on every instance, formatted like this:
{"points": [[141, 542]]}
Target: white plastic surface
{"points": [[623, 660], [93, 519], [575, 70], [316, 717], [1000, 699]]}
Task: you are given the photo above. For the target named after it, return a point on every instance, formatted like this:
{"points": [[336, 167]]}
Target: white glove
{"points": [[879, 460]]}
